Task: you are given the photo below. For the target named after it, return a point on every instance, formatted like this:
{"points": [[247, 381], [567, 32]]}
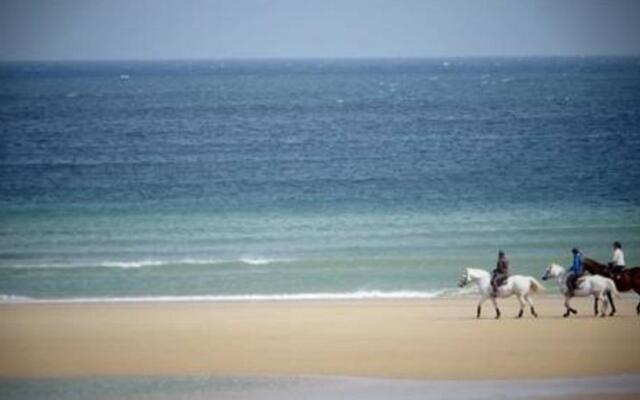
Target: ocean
{"points": [[304, 179]]}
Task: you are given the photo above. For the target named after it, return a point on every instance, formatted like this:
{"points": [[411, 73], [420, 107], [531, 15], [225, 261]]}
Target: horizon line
{"points": [[314, 58]]}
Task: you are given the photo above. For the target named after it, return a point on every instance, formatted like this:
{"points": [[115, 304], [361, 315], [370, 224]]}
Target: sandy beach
{"points": [[415, 339]]}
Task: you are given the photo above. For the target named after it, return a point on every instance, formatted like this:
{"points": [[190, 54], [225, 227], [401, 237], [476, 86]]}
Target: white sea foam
{"points": [[10, 298], [131, 264], [257, 260], [358, 295], [153, 263], [158, 263]]}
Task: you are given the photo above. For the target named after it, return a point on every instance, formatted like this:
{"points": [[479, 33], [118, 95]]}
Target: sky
{"points": [[201, 29]]}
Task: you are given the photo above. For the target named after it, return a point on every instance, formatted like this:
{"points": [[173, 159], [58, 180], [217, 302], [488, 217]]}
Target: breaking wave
{"points": [[357, 295]]}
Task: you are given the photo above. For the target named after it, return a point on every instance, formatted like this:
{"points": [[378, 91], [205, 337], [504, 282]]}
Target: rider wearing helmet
{"points": [[501, 273], [575, 271], [617, 260]]}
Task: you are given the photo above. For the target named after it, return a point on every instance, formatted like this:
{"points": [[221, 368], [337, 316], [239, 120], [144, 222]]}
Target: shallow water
{"points": [[314, 388]]}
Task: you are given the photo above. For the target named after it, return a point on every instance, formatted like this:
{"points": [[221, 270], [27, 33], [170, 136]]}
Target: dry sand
{"points": [[420, 339]]}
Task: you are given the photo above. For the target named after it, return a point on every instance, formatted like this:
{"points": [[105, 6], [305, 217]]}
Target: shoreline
{"points": [[437, 339], [291, 298]]}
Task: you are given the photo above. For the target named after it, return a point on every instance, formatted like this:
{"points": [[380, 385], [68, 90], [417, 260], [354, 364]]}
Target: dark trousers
{"points": [[572, 280], [616, 269], [497, 279]]}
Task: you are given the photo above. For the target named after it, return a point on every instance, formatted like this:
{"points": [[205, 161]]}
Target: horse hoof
{"points": [[612, 313], [565, 315]]}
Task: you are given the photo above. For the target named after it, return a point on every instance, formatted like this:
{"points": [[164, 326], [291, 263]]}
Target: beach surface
{"points": [[411, 339]]}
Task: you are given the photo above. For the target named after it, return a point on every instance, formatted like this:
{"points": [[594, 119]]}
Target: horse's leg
{"points": [[638, 306], [567, 306], [613, 305], [533, 310], [479, 310], [573, 310], [521, 301], [605, 305], [495, 305], [595, 306]]}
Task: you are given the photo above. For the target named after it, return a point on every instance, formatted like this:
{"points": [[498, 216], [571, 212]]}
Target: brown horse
{"points": [[627, 279]]}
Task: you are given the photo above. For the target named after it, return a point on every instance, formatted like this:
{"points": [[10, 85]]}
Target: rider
{"points": [[617, 260], [500, 274], [575, 271]]}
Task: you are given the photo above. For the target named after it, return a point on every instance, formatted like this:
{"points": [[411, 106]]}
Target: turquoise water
{"points": [[230, 180]]}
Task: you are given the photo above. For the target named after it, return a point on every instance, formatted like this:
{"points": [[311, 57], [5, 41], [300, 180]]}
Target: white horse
{"points": [[519, 285], [589, 285]]}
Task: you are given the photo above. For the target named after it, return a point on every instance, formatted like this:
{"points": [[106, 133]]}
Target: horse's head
{"points": [[552, 271], [464, 279], [471, 275]]}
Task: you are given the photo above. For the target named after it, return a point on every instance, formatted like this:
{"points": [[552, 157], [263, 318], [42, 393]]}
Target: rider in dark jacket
{"points": [[575, 271], [501, 273]]}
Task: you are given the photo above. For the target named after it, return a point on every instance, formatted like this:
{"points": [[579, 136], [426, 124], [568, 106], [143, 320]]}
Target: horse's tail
{"points": [[535, 285], [611, 288]]}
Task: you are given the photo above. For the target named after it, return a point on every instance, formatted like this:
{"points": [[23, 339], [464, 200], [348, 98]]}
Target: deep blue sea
{"points": [[310, 178]]}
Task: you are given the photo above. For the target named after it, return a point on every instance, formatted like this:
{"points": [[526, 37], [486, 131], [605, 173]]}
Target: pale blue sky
{"points": [[200, 29]]}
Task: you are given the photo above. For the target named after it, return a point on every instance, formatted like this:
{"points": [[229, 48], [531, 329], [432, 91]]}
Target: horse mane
{"points": [[588, 260], [594, 267], [479, 270], [553, 264]]}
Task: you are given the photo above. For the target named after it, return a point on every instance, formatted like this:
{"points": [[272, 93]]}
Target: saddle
{"points": [[502, 280], [580, 281]]}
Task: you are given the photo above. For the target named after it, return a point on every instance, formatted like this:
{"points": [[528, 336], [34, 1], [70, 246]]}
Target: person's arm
{"points": [[575, 264], [502, 265], [579, 263]]}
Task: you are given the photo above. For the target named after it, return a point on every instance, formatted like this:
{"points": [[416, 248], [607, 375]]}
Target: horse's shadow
{"points": [[540, 317]]}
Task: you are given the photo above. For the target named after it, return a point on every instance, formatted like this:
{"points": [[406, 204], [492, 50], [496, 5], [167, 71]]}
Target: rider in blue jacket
{"points": [[575, 271]]}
